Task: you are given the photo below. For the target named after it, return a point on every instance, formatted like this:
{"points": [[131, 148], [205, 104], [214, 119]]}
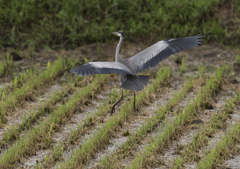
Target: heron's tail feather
{"points": [[135, 82]]}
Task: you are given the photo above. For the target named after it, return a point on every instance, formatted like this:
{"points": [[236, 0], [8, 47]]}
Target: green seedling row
{"points": [[201, 138], [238, 58], [222, 149], [147, 127], [13, 132], [17, 82], [89, 122], [34, 82], [102, 136], [42, 133], [164, 138], [183, 66], [6, 65]]}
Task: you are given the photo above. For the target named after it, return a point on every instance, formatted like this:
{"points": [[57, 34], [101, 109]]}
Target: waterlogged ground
{"points": [[209, 57]]}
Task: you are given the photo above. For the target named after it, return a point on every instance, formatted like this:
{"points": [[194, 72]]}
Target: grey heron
{"points": [[129, 68]]}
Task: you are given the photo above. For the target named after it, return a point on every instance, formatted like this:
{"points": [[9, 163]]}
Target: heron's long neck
{"points": [[118, 48]]}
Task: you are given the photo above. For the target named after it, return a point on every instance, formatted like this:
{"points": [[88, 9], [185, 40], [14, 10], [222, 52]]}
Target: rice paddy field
{"points": [[187, 117]]}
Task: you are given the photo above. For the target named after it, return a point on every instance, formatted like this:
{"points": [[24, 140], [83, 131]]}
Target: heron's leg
{"points": [[134, 101], [113, 108]]}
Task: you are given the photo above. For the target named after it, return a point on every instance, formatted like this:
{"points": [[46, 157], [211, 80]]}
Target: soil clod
{"points": [[15, 56], [198, 121]]}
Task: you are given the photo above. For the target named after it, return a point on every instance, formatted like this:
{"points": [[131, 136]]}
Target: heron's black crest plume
{"points": [[121, 33]]}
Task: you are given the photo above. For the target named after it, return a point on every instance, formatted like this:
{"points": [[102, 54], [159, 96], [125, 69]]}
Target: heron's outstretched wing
{"points": [[154, 54], [92, 68]]}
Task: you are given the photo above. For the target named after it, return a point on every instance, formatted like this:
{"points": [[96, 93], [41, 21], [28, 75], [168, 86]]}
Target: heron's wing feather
{"points": [[154, 54], [92, 68]]}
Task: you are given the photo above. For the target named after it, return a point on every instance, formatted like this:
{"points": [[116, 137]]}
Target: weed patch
{"points": [[72, 23]]}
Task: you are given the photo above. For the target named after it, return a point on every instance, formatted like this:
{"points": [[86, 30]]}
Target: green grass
{"points": [[63, 23], [222, 150], [201, 70], [238, 58], [6, 66], [13, 132], [164, 138], [236, 6], [88, 122], [132, 141], [183, 66], [190, 151], [101, 137], [17, 82], [42, 132], [34, 81]]}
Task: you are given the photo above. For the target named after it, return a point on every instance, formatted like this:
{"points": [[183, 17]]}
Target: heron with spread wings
{"points": [[129, 68]]}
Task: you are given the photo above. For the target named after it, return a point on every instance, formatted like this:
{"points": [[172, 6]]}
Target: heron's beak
{"points": [[115, 33]]}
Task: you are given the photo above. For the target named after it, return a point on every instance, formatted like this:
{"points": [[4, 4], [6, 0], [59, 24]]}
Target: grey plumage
{"points": [[101, 68], [135, 82], [154, 54], [148, 58]]}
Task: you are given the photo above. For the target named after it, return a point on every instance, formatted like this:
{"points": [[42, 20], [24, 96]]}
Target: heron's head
{"points": [[119, 33]]}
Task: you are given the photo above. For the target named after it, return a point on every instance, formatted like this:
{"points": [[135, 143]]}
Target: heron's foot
{"points": [[113, 110]]}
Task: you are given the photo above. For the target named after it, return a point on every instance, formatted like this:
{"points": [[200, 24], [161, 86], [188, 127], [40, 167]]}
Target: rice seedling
{"points": [[183, 66], [101, 137], [17, 82], [201, 138], [34, 28], [12, 133], [6, 65], [164, 138], [222, 150], [238, 58], [201, 70], [26, 143], [89, 122], [34, 81], [147, 127]]}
